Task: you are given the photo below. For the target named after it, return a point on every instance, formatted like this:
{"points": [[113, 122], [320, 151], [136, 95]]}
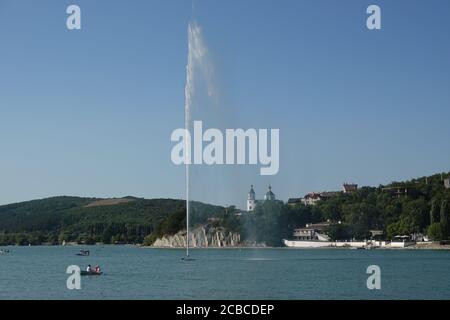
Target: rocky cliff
{"points": [[205, 237]]}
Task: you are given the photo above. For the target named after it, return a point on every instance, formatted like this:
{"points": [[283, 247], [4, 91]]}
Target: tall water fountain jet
{"points": [[198, 68]]}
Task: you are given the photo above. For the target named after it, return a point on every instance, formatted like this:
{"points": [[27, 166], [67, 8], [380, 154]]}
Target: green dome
{"points": [[269, 194]]}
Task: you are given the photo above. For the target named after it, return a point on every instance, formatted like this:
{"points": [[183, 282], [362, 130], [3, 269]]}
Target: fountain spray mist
{"points": [[198, 66]]}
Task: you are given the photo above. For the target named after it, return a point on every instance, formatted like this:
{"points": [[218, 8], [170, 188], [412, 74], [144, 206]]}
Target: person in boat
{"points": [[89, 268], [97, 268]]}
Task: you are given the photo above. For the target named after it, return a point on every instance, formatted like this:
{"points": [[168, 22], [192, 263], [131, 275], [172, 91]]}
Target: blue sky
{"points": [[90, 112]]}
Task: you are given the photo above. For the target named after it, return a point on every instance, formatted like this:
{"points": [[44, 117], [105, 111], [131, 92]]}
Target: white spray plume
{"points": [[198, 62], [198, 65]]}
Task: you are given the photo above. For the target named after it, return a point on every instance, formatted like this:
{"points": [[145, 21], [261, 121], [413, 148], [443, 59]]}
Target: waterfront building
{"points": [[312, 232]]}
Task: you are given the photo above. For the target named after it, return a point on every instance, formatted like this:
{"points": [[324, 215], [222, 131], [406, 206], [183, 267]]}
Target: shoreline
{"points": [[427, 246], [413, 247]]}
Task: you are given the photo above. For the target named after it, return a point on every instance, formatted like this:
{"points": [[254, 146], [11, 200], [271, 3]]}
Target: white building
{"points": [[251, 199], [312, 198]]}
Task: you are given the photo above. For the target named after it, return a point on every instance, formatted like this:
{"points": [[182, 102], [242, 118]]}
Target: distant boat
{"points": [[90, 273], [4, 251], [83, 253], [187, 258]]}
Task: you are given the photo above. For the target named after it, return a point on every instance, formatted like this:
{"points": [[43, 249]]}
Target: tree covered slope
{"points": [[89, 220]]}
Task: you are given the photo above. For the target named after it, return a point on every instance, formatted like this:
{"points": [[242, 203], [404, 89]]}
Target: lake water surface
{"points": [[137, 273]]}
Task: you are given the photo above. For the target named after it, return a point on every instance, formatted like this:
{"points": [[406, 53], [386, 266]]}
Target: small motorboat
{"points": [[187, 258], [91, 273], [83, 253], [4, 251]]}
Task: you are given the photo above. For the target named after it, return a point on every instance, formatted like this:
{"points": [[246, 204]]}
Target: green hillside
{"points": [[419, 205], [90, 220]]}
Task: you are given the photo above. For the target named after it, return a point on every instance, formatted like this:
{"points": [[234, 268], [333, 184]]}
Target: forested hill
{"points": [[413, 207], [91, 220], [417, 206]]}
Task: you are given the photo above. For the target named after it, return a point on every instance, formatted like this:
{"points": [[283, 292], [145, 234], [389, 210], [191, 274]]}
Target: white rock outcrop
{"points": [[201, 237]]}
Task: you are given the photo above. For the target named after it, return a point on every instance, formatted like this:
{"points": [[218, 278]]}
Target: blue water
{"points": [[137, 273]]}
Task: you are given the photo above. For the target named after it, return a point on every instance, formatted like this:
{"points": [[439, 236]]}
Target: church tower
{"points": [[251, 202], [270, 196]]}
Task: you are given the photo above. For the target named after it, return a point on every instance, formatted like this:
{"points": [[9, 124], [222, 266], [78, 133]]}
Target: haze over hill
{"points": [[110, 202]]}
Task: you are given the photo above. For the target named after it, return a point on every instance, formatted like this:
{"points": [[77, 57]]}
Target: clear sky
{"points": [[90, 112]]}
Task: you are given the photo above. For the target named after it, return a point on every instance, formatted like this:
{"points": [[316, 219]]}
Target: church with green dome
{"points": [[251, 199]]}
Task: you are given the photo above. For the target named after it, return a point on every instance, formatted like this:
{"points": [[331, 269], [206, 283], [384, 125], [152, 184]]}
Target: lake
{"points": [[138, 273]]}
